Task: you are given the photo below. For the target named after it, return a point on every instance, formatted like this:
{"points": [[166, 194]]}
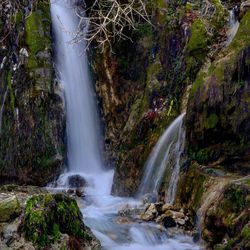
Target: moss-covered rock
{"points": [[218, 111], [32, 114], [48, 216]]}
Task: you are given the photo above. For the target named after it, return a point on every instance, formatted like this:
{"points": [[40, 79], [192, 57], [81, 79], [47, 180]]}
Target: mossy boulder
{"points": [[48, 216], [9, 209]]}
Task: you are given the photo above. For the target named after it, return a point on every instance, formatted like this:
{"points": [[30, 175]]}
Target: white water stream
{"points": [[165, 156], [100, 209], [233, 27]]}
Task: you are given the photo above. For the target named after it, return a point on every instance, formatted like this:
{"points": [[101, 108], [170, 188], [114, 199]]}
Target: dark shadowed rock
{"points": [[76, 181]]}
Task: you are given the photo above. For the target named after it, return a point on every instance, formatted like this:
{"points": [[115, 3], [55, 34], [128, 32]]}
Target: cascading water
{"points": [[178, 150], [166, 154], [233, 27], [84, 158]]}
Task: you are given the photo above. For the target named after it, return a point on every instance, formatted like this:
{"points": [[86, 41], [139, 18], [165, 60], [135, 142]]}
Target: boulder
{"points": [[76, 181], [48, 216], [9, 209]]}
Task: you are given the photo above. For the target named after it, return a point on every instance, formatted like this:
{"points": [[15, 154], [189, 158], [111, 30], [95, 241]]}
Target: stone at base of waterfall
{"points": [[167, 215], [129, 211], [76, 185], [151, 212], [76, 181]]}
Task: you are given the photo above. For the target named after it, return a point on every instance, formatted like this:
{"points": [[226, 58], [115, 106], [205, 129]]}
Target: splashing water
{"points": [[101, 210]]}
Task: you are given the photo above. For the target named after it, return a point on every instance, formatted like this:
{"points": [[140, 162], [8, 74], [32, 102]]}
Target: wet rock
{"points": [[76, 181], [9, 209], [169, 222]]}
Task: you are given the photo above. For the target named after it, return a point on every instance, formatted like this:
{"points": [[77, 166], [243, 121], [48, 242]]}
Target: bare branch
{"points": [[107, 21]]}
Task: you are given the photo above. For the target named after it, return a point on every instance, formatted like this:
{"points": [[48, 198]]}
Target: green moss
{"points": [[202, 156], [236, 197], [220, 16], [36, 28], [17, 18], [248, 182], [198, 83], [45, 161], [198, 39], [245, 233], [227, 60], [211, 121]]}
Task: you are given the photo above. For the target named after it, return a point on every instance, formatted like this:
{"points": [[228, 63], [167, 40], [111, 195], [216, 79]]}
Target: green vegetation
{"points": [[198, 39]]}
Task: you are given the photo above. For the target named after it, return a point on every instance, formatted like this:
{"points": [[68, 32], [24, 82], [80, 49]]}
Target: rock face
{"points": [[141, 84], [218, 117], [226, 222], [32, 120]]}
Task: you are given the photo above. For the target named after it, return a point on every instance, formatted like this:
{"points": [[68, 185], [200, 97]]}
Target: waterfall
{"points": [[83, 136], [233, 27], [166, 154], [100, 209]]}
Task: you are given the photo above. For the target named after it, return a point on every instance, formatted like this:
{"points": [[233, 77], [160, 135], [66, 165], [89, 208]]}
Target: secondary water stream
{"points": [[233, 27], [165, 156], [100, 208]]}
